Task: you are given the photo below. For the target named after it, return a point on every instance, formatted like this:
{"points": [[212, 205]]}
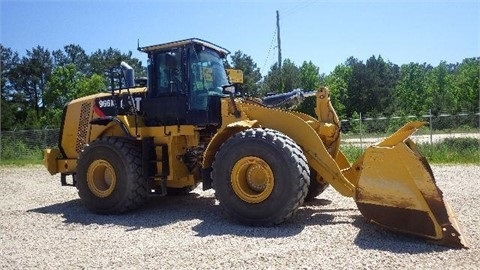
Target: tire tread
{"points": [[290, 149], [137, 194]]}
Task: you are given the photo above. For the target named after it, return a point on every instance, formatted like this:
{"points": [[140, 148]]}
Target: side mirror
{"points": [[235, 76], [229, 89]]}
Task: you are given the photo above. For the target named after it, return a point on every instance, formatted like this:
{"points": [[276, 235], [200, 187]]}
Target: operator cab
{"points": [[185, 83]]}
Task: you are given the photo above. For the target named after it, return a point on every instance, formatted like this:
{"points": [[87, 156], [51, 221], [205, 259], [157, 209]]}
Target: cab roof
{"points": [[180, 43]]}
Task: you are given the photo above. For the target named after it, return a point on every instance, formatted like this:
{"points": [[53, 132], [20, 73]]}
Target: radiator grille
{"points": [[83, 126]]}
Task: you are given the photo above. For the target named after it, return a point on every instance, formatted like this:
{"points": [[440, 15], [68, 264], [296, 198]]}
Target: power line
{"points": [[298, 6], [292, 9], [270, 49], [289, 11]]}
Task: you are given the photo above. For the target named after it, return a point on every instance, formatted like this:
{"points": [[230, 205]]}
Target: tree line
{"points": [[36, 86], [375, 87]]}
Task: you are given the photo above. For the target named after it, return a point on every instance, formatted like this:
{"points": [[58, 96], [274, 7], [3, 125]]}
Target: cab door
{"points": [[166, 99]]}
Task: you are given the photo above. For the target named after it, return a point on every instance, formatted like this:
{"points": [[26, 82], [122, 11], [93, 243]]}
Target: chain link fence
{"points": [[364, 131], [359, 132], [27, 144]]}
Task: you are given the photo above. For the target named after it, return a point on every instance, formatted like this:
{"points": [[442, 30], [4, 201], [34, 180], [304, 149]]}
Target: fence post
{"points": [[431, 126], [360, 129], [44, 131]]}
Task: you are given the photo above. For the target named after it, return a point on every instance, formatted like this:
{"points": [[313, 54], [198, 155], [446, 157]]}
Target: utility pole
{"points": [[278, 42]]}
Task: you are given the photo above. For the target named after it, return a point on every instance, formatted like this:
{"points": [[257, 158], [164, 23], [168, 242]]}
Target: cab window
{"points": [[208, 76], [168, 73]]}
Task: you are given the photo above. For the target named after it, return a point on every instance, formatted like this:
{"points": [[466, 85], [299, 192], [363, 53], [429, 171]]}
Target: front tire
{"points": [[109, 176], [260, 177], [317, 186]]}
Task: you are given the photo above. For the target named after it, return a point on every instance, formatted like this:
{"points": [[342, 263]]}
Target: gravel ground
{"points": [[45, 226]]}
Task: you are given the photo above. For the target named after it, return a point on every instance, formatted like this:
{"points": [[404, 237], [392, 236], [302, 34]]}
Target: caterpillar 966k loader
{"points": [[187, 126]]}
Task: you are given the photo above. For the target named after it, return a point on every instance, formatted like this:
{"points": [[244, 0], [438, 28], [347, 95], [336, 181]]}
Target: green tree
{"points": [[309, 76], [337, 83], [284, 80], [357, 87], [30, 76], [371, 86], [384, 77], [309, 81], [89, 85], [251, 73], [441, 96], [8, 115], [411, 94], [272, 82], [62, 86], [72, 54], [107, 63], [466, 85], [9, 60], [67, 84], [290, 75], [26, 82]]}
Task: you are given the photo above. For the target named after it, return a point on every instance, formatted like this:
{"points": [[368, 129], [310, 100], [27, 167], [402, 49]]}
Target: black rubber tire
{"points": [[315, 188], [178, 191], [131, 188], [290, 172]]}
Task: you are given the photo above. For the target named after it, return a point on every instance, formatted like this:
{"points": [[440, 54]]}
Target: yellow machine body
{"points": [[392, 183]]}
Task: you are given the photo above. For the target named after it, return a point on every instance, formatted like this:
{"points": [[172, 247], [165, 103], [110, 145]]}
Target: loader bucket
{"points": [[396, 189]]}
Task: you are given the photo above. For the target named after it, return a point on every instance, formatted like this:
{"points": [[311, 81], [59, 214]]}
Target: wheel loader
{"points": [[186, 125]]}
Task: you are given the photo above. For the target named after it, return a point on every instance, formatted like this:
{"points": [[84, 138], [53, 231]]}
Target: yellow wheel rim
{"points": [[101, 178], [252, 179]]}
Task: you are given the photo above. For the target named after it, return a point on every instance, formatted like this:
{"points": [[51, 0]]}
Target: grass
{"points": [[352, 152], [17, 152], [449, 151], [23, 160], [453, 150]]}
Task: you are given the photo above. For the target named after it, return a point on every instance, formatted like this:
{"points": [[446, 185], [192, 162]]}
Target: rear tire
{"points": [[260, 177], [109, 176]]}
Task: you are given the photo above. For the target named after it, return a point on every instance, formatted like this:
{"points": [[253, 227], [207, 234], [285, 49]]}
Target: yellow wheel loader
{"points": [[186, 126]]}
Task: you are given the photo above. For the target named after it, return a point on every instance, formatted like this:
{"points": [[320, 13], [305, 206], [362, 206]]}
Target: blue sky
{"points": [[325, 32]]}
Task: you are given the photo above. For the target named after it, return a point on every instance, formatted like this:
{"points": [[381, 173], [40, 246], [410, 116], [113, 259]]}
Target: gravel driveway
{"points": [[45, 226]]}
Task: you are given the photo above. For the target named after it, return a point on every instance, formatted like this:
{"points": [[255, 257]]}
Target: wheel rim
{"points": [[101, 178], [252, 179]]}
